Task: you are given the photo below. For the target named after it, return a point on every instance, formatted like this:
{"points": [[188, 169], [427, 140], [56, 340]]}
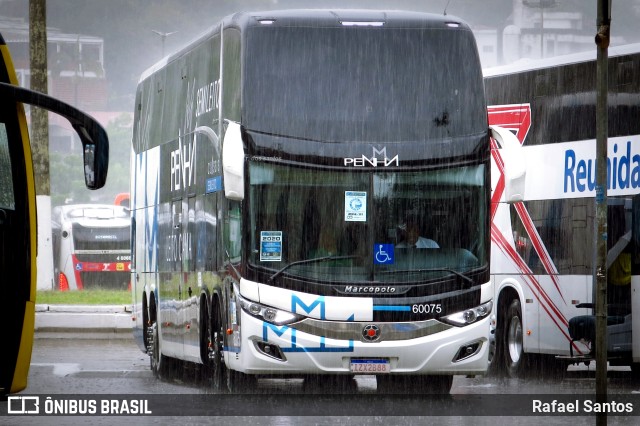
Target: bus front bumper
{"points": [[258, 347]]}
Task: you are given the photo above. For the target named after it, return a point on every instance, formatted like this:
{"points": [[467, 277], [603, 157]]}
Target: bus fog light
{"points": [[270, 350], [467, 351]]}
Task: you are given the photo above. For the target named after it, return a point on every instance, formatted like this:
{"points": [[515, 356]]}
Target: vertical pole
{"points": [[39, 118], [40, 141], [602, 132]]}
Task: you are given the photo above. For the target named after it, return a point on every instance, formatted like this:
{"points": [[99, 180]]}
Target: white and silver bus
{"points": [[542, 255], [280, 164], [91, 246]]}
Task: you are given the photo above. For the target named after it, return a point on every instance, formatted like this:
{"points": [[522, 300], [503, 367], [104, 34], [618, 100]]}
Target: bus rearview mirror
{"points": [[515, 168], [233, 162], [94, 138]]}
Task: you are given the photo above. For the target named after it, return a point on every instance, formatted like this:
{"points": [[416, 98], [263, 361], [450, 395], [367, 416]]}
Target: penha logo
{"points": [[378, 159]]}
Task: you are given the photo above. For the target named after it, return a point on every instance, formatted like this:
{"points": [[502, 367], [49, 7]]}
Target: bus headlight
{"points": [[267, 313], [469, 316]]}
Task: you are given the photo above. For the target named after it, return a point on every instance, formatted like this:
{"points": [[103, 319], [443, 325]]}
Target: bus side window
{"points": [[233, 231], [7, 200], [206, 234]]}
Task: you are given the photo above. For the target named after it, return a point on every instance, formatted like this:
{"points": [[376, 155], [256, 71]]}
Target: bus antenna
{"points": [[445, 7]]}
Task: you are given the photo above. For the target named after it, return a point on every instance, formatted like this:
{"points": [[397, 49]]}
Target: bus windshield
{"points": [[345, 227], [383, 84]]}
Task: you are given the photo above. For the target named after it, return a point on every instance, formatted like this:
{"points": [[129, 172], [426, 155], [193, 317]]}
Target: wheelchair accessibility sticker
{"points": [[383, 254]]}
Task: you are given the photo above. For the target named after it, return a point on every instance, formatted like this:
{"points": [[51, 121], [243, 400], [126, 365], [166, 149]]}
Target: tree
{"points": [[39, 118], [40, 140]]}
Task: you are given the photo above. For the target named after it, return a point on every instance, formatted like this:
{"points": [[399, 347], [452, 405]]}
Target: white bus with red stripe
{"points": [[91, 246], [542, 257]]}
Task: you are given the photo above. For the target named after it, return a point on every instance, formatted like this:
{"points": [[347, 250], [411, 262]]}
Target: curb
{"points": [[83, 321]]}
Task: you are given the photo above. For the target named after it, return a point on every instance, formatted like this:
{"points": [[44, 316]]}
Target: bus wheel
{"points": [[215, 348], [146, 332], [495, 356], [159, 362], [410, 384], [514, 356]]}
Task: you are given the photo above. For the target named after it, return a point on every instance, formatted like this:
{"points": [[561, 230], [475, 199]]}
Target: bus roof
{"points": [[573, 58], [324, 18], [346, 17]]}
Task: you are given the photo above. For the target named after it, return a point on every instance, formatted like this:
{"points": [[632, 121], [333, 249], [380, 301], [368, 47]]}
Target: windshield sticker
{"points": [[271, 246], [383, 254], [355, 206]]}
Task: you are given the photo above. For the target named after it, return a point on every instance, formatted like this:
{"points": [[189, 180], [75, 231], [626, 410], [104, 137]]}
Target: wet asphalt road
{"points": [[97, 367]]}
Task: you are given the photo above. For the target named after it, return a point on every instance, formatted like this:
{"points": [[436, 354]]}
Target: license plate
{"points": [[370, 366]]}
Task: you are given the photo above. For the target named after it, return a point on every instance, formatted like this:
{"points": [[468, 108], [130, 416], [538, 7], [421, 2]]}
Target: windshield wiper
{"points": [[453, 271], [314, 260]]}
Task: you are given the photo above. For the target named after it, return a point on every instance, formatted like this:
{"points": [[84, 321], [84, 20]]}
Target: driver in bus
{"points": [[412, 237]]}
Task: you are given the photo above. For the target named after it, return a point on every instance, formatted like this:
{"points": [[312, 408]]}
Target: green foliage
{"points": [[84, 297]]}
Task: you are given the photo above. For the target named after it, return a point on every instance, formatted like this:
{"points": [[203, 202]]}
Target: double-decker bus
{"points": [[91, 246], [543, 259], [18, 214], [282, 166]]}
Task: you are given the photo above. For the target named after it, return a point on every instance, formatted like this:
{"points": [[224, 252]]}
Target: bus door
{"points": [[18, 213], [17, 247]]}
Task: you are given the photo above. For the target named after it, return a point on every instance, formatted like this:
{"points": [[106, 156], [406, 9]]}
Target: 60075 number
{"points": [[427, 308]]}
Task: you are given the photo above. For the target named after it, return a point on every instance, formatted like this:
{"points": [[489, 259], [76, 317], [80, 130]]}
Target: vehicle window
{"points": [[7, 200]]}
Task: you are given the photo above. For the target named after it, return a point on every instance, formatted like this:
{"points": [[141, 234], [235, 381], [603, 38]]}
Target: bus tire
{"points": [[206, 340], [145, 322], [216, 348], [159, 362], [496, 349], [512, 338]]}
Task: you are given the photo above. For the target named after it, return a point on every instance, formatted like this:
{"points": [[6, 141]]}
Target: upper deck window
{"points": [[355, 83]]}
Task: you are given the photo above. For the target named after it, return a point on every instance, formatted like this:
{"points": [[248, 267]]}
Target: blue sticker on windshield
{"points": [[271, 246], [383, 254]]}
